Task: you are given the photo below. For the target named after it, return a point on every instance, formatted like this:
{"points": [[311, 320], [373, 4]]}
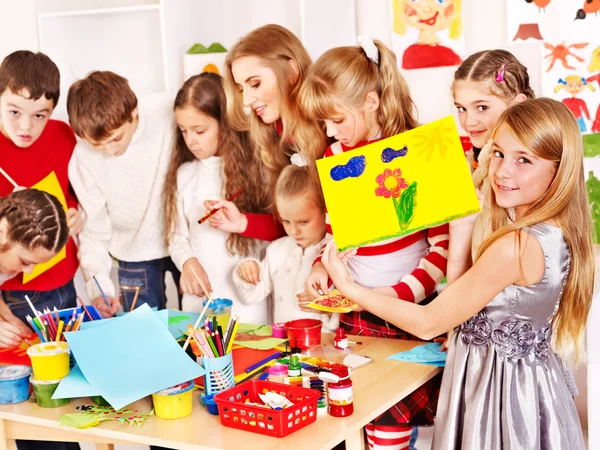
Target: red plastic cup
{"points": [[304, 333]]}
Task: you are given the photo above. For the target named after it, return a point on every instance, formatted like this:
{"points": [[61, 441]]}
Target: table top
{"points": [[377, 386]]}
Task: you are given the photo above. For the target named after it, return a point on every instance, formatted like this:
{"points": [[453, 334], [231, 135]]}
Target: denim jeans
{"points": [[62, 297], [149, 277]]}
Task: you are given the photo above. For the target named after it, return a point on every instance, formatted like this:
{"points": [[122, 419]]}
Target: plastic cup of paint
{"points": [[220, 307], [100, 401], [49, 360], [304, 333], [175, 402], [14, 384], [44, 390], [279, 330]]}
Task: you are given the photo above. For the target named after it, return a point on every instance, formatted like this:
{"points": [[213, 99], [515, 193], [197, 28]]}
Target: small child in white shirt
{"points": [[300, 206]]}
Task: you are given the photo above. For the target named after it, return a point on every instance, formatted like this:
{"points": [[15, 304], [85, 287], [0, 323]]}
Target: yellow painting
{"points": [[50, 185], [397, 186]]}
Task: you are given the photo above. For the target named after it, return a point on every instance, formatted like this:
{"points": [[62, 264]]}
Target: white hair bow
{"points": [[369, 47], [299, 160]]}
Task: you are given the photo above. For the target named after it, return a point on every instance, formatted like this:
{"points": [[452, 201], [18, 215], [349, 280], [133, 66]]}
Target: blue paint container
{"points": [[14, 384]]}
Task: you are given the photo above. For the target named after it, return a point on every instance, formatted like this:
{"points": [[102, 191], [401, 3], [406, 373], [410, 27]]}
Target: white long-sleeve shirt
{"points": [[122, 196], [283, 272], [197, 181]]}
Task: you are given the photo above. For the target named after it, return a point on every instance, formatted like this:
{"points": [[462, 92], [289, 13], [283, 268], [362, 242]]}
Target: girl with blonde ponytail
{"points": [[360, 95], [530, 285]]}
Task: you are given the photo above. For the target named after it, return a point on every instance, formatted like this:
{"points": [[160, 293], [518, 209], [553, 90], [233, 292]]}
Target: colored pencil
{"points": [[264, 361], [87, 313], [202, 337], [211, 341], [135, 297], [10, 180], [35, 328], [102, 292], [232, 337], [35, 312], [209, 301], [230, 199], [219, 343], [61, 324]]}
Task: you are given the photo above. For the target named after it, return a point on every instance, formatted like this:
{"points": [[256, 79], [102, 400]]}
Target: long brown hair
{"points": [[241, 164], [348, 73], [35, 219], [276, 47], [548, 129]]}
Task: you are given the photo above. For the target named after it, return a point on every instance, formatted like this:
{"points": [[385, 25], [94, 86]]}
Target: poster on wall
{"points": [[570, 54], [427, 33]]}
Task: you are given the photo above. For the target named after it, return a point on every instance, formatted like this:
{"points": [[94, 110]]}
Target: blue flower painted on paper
{"points": [[389, 154], [352, 169]]}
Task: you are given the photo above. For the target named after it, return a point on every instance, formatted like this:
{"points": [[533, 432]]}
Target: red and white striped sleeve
{"points": [[421, 282]]}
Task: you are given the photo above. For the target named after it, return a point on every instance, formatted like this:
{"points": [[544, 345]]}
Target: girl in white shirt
{"points": [[301, 208], [210, 161]]}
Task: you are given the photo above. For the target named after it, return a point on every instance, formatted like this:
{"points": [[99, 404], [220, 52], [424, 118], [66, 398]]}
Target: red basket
{"points": [[236, 413]]}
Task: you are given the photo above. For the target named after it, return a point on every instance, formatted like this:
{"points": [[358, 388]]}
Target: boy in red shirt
{"points": [[31, 147]]}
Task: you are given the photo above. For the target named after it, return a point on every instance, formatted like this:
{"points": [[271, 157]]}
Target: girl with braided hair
{"points": [[33, 228]]}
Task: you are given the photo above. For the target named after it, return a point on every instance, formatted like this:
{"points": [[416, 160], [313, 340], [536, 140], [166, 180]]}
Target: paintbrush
{"points": [[208, 302], [137, 292], [230, 199], [10, 180], [102, 292]]}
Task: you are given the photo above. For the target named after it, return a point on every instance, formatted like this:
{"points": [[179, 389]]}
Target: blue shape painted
{"points": [[352, 169], [389, 154]]}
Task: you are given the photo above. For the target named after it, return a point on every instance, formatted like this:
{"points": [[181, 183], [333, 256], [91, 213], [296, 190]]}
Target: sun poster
{"points": [[397, 186]]}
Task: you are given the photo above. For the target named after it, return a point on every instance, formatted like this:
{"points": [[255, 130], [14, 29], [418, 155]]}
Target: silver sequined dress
{"points": [[503, 386]]}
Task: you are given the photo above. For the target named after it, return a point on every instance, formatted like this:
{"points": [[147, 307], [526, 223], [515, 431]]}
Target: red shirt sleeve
{"points": [[263, 227]]}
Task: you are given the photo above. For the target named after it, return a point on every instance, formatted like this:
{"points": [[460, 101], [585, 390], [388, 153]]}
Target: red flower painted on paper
{"points": [[390, 183]]}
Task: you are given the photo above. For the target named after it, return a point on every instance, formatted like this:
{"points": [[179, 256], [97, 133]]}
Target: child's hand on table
{"points": [[12, 329], [228, 218], [249, 271], [75, 221], [105, 310], [188, 282]]}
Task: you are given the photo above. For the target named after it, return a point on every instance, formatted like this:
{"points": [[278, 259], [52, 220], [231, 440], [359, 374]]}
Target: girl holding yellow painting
{"points": [[361, 97], [503, 383]]}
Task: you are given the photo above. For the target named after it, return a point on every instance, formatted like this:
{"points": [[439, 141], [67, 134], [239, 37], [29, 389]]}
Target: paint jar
{"points": [[44, 390], [279, 330], [219, 376], [277, 372], [175, 402], [220, 307], [14, 384], [100, 401], [304, 333], [49, 360], [340, 400]]}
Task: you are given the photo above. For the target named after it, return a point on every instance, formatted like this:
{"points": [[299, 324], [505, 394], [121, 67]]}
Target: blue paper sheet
{"points": [[424, 354], [163, 315], [131, 357], [74, 385]]}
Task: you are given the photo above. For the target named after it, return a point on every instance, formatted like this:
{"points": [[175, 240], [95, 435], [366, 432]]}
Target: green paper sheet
{"points": [[257, 330], [131, 357]]}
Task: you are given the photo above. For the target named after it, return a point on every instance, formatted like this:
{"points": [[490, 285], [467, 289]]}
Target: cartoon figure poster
{"points": [[397, 186], [428, 33]]}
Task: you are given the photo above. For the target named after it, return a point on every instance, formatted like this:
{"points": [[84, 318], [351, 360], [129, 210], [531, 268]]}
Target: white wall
{"points": [[484, 28]]}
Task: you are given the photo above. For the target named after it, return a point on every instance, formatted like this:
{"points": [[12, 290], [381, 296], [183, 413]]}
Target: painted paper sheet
{"points": [[398, 185], [427, 33], [50, 185], [131, 357], [570, 55]]}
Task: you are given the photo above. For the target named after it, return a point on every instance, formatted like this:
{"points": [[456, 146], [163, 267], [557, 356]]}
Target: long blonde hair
{"points": [[347, 73], [276, 47], [548, 129]]}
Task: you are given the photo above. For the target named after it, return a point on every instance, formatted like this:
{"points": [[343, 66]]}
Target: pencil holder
{"points": [[49, 360], [219, 374]]}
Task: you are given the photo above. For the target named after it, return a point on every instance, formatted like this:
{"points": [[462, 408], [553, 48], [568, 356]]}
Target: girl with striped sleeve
{"points": [[360, 95]]}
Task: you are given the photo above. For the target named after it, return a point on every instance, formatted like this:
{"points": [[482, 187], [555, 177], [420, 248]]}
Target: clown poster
{"points": [[428, 33], [397, 186]]}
